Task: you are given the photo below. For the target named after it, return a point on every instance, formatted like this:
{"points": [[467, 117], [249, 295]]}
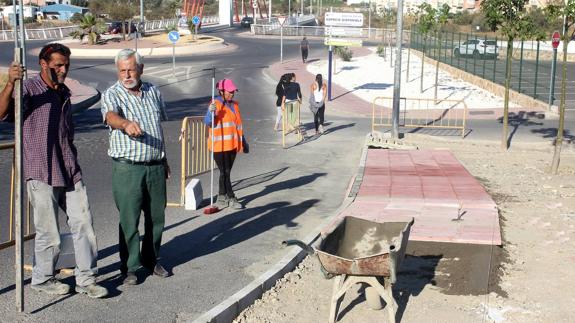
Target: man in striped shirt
{"points": [[133, 109]]}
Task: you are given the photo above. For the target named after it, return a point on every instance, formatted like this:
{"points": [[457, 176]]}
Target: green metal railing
{"points": [[530, 66]]}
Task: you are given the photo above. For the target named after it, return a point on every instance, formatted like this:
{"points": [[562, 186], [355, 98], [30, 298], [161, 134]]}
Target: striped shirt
{"points": [[147, 109]]}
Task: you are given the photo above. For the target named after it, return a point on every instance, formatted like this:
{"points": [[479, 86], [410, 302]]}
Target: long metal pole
{"points": [[397, 78], [174, 59], [369, 20], [22, 36], [270, 12], [18, 183], [329, 62], [282, 43], [552, 85]]}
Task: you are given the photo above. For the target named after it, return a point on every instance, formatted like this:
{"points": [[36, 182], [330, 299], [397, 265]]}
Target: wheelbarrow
{"points": [[360, 251]]}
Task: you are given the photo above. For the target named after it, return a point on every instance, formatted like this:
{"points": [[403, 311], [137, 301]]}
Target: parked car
{"points": [[478, 48], [247, 22], [116, 27]]}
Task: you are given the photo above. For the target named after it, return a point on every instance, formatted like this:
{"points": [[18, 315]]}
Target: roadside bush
{"points": [[171, 28], [343, 52], [380, 50]]}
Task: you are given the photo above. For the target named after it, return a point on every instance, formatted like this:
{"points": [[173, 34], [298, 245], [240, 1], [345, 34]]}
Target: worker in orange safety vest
{"points": [[228, 139]]}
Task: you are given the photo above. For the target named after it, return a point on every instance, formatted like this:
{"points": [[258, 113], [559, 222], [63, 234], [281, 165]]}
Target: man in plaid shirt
{"points": [[53, 175]]}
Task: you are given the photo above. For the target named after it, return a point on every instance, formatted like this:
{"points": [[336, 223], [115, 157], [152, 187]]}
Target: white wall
{"points": [[225, 7]]}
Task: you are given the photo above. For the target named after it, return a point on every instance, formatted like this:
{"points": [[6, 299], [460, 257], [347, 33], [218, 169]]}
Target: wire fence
{"points": [[485, 57]]}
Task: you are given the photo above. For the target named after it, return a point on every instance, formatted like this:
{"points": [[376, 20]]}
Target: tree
{"points": [[511, 19], [566, 10], [426, 22], [80, 3], [122, 11], [442, 16], [90, 27]]}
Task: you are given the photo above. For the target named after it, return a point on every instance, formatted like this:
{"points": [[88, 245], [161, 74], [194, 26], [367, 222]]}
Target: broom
{"points": [[212, 208]]}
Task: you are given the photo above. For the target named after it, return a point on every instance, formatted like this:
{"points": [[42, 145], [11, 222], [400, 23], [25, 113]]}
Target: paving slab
{"points": [[432, 186]]}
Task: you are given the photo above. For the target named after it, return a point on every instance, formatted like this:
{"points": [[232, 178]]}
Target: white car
{"points": [[478, 48]]}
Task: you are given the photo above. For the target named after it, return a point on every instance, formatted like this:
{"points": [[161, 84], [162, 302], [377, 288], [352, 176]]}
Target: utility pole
{"points": [[397, 79]]}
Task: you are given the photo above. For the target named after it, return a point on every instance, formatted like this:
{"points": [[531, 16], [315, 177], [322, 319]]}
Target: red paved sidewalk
{"points": [[344, 102], [447, 202]]}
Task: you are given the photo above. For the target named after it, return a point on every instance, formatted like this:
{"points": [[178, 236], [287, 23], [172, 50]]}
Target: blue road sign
{"points": [[174, 36], [196, 20]]}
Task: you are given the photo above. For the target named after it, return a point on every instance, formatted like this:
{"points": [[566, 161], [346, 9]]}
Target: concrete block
{"points": [[194, 194]]}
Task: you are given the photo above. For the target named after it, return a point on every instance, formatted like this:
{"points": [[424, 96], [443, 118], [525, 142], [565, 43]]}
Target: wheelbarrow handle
{"points": [[299, 243]]}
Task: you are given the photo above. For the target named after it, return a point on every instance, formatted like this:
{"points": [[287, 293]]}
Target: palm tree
{"points": [[90, 27]]}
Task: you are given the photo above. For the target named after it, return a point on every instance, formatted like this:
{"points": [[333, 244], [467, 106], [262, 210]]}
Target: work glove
{"points": [[212, 108]]}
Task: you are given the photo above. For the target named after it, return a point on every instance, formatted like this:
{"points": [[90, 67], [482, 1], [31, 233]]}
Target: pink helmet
{"points": [[226, 85]]}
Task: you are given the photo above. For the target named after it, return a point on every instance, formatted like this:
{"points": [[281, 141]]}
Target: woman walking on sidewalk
{"points": [[228, 139], [280, 91], [291, 99], [317, 102]]}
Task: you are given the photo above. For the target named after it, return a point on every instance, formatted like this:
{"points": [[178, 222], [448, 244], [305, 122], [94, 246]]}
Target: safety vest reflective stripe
{"points": [[225, 137], [226, 124]]}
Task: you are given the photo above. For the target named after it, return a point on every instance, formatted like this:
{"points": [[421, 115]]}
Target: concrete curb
{"points": [[165, 51], [230, 308]]}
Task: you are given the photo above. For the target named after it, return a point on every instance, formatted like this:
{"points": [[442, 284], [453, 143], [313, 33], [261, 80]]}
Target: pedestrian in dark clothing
{"points": [[304, 46], [291, 100], [280, 91]]}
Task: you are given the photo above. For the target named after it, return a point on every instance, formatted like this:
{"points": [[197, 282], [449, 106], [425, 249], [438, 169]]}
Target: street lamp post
{"points": [[397, 80]]}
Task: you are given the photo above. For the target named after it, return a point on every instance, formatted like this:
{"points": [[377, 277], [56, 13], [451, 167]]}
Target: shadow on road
{"points": [[521, 119], [227, 231]]}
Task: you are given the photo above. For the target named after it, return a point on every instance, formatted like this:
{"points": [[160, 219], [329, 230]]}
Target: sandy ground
{"points": [[525, 280]]}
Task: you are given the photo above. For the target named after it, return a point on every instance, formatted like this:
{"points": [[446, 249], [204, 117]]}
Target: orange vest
{"points": [[227, 133]]}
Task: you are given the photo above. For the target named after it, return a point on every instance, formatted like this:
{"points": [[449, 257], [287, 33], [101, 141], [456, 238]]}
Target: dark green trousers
{"points": [[137, 189]]}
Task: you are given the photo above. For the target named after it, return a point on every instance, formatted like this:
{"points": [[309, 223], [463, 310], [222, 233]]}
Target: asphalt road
{"points": [[288, 192]]}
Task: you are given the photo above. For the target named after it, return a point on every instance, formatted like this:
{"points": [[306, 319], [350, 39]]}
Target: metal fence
{"points": [[62, 32], [273, 29], [420, 113], [486, 57], [195, 156]]}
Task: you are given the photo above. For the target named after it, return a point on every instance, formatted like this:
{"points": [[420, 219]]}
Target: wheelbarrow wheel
{"points": [[373, 299]]}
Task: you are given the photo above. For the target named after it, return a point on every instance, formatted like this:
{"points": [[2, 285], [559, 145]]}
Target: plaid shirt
{"points": [[147, 110], [48, 134]]}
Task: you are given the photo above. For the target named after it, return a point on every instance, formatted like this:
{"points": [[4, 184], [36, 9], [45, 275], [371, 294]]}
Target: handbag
{"points": [[245, 145]]}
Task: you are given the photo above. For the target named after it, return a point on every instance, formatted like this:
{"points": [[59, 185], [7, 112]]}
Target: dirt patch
{"points": [[522, 281], [3, 80]]}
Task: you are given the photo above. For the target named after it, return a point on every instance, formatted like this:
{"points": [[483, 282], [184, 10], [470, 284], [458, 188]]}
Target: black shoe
{"points": [[160, 271], [130, 278]]}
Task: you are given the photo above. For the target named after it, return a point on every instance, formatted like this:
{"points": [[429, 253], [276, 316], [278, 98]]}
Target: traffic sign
{"points": [[343, 19], [174, 36], [328, 41], [255, 5], [344, 32], [196, 20], [281, 20], [555, 39]]}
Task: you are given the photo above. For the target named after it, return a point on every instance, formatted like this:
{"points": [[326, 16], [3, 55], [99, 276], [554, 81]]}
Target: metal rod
{"points": [[552, 85], [536, 71], [330, 58], [520, 65], [174, 59], [19, 189], [397, 79]]}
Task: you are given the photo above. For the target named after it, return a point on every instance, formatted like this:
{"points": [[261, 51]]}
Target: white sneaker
{"points": [[320, 129]]}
